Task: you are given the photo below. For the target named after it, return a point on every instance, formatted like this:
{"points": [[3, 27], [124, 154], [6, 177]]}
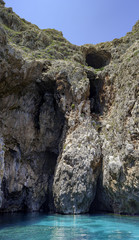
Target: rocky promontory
{"points": [[68, 121]]}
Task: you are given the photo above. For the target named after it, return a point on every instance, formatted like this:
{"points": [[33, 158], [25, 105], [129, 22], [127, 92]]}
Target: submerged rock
{"points": [[68, 121]]}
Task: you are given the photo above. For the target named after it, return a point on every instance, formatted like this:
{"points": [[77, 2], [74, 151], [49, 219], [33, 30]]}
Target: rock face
{"points": [[78, 170], [68, 121], [120, 177]]}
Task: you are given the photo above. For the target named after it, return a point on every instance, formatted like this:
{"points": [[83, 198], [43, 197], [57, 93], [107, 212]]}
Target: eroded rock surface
{"points": [[78, 170], [119, 187], [68, 121]]}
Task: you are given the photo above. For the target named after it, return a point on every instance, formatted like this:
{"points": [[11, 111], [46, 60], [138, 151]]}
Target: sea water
{"points": [[38, 226]]}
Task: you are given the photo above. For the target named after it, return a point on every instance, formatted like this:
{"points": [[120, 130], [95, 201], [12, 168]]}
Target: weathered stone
{"points": [[1, 167], [119, 188], [68, 131], [77, 171]]}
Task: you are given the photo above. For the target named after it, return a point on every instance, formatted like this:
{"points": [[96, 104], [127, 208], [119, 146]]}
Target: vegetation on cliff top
{"points": [[50, 43]]}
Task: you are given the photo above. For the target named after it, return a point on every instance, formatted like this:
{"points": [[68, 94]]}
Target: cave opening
{"points": [[98, 60]]}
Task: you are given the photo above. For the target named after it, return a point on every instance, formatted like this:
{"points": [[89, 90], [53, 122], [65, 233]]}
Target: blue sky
{"points": [[81, 21]]}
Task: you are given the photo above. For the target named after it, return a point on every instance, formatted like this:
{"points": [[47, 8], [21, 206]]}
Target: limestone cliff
{"points": [[68, 121]]}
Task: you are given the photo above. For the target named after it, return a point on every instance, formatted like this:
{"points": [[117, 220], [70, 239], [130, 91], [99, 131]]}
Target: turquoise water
{"points": [[38, 226]]}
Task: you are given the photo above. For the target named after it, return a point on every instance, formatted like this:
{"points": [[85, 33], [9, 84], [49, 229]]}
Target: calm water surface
{"points": [[38, 226]]}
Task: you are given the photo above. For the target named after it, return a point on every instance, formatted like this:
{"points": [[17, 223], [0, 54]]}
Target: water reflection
{"points": [[38, 226]]}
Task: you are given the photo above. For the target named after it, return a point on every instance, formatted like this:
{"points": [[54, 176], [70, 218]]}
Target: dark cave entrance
{"points": [[98, 59], [96, 86]]}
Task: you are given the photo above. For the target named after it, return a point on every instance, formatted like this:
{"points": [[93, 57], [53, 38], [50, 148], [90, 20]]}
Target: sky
{"points": [[81, 21]]}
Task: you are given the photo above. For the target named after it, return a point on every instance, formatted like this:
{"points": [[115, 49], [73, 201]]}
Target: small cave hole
{"points": [[44, 69], [98, 60]]}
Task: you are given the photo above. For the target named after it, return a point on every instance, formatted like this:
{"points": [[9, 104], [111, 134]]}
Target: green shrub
{"points": [[73, 106]]}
